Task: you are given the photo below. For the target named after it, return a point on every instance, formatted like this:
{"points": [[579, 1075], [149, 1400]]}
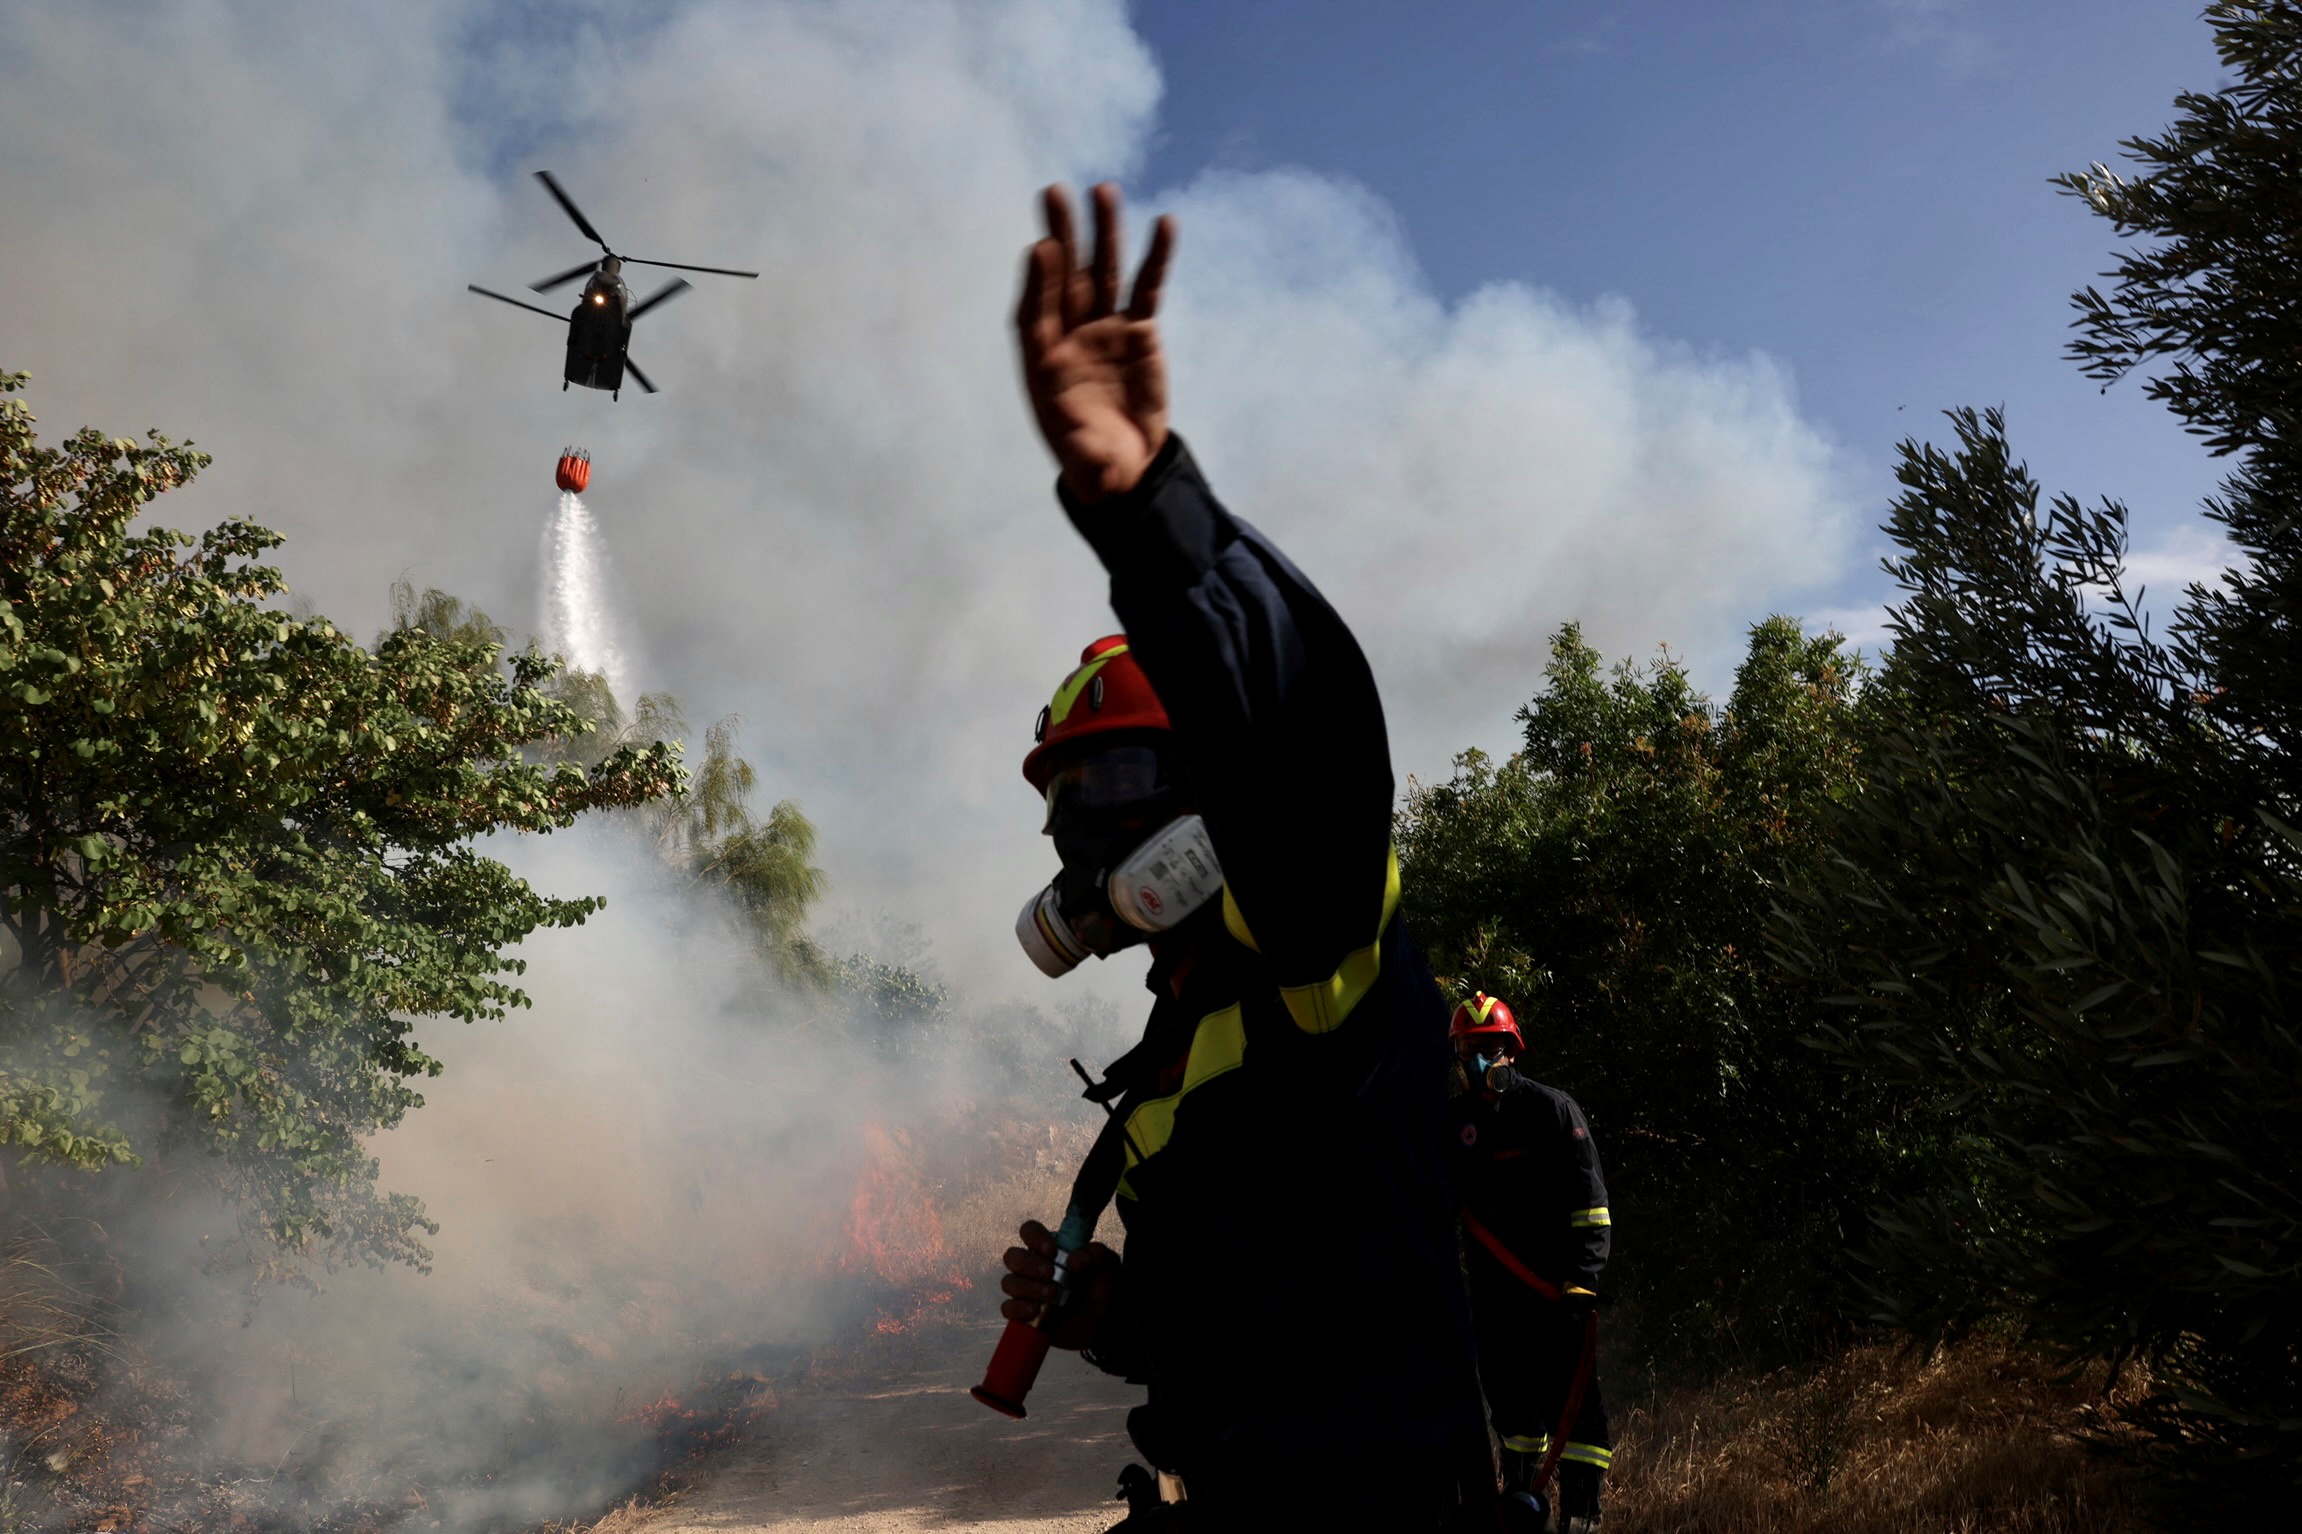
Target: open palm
{"points": [[1097, 382]]}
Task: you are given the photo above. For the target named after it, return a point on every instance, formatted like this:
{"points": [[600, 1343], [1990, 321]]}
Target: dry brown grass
{"points": [[1981, 1439], [980, 1220]]}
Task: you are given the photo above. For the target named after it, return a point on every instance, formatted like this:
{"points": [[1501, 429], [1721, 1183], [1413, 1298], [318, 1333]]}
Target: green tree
{"points": [[237, 857], [1612, 880], [449, 618], [2067, 906], [761, 867]]}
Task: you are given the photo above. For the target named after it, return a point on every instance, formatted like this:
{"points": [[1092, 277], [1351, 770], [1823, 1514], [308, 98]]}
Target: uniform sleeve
{"points": [[1279, 723], [1587, 1216], [1118, 1347]]}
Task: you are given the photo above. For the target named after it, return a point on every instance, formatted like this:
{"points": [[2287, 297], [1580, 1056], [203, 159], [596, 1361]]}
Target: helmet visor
{"points": [[1110, 781]]}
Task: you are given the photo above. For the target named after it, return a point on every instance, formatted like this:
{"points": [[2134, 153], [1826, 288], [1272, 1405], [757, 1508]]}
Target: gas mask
{"points": [[1493, 1072], [1121, 883]]}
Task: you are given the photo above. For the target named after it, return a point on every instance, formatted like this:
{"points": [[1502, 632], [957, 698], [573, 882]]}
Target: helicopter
{"points": [[599, 327]]}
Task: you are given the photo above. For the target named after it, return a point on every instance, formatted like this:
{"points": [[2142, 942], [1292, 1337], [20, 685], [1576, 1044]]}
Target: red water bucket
{"points": [[574, 472]]}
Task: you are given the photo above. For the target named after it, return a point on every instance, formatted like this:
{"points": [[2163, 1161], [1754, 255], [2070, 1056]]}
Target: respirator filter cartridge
{"points": [[1046, 937], [1167, 878]]}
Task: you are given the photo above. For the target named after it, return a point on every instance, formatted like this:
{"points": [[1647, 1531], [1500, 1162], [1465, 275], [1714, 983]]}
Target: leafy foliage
{"points": [[761, 866], [236, 848], [1612, 882], [894, 1008], [2067, 906]]}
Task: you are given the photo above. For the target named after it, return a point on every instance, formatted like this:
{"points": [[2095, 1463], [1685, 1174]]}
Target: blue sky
{"points": [[1857, 187], [1472, 299]]}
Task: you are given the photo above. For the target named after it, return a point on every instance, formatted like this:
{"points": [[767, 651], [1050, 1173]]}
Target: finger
{"points": [[1037, 1237], [1016, 1286], [1105, 295], [1019, 1310], [1039, 313], [1056, 203], [1152, 275], [1030, 1259]]}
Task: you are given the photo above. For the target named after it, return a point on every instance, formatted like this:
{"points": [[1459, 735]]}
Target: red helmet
{"points": [[1485, 1014], [1107, 692]]}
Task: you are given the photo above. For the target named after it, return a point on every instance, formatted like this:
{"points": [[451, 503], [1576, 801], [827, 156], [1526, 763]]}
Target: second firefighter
{"points": [[1536, 1227]]}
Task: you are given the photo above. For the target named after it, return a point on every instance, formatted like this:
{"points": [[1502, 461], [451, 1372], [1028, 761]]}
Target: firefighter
{"points": [[1218, 785], [1537, 1233]]}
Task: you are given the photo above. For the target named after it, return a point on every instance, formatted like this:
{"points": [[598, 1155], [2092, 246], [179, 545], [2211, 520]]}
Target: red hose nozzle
{"points": [[1023, 1346], [1014, 1367]]}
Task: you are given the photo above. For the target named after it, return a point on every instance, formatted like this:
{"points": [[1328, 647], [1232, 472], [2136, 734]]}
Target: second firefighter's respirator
{"points": [[1152, 888]]}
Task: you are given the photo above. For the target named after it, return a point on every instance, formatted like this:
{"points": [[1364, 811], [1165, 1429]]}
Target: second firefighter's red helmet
{"points": [[1484, 1014], [1107, 692]]}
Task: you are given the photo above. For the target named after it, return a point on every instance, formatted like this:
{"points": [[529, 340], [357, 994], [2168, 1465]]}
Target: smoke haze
{"points": [[250, 224], [659, 1189]]}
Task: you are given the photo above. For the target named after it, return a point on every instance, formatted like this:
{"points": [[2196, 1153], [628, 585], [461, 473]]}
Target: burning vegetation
{"points": [[98, 1432], [494, 1415], [894, 1249]]}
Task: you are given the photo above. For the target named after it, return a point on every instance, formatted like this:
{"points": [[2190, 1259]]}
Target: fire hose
{"points": [[1583, 1363], [1015, 1363]]}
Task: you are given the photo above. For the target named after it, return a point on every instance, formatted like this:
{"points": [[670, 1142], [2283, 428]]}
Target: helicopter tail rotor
{"points": [[570, 275], [515, 303], [681, 266], [567, 206], [678, 286]]}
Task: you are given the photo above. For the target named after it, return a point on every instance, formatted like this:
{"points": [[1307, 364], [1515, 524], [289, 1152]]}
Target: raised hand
{"points": [[1097, 382]]}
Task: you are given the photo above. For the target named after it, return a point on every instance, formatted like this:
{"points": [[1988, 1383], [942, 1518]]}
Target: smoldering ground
{"points": [[659, 1191]]}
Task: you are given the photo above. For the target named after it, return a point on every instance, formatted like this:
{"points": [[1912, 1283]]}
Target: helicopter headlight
{"points": [[599, 298]]}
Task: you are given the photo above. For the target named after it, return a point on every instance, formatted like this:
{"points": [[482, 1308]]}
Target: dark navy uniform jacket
{"points": [[1291, 1280], [1529, 1171]]}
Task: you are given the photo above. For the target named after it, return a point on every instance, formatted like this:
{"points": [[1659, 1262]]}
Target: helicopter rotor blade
{"points": [[678, 286], [570, 275], [567, 205], [515, 303], [632, 368], [681, 266]]}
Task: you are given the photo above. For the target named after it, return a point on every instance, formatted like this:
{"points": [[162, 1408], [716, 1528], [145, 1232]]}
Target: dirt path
{"points": [[911, 1451]]}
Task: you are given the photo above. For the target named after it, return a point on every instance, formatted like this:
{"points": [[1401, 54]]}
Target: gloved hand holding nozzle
{"points": [[1059, 1288], [1070, 1291]]}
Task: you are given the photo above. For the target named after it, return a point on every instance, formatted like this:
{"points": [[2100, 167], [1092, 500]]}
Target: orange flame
{"points": [[894, 1237]]}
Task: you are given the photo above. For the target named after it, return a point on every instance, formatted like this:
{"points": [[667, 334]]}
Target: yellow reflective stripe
{"points": [[1520, 1443], [1217, 1047], [1321, 1006], [1587, 1454], [1235, 923], [1579, 1289], [1579, 1218], [1066, 696], [1481, 1005]]}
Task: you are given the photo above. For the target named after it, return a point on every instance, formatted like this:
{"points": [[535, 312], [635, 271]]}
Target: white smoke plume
{"points": [[250, 223], [577, 602]]}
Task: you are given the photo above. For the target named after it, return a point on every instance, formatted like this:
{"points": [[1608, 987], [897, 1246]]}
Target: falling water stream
{"points": [[578, 611]]}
